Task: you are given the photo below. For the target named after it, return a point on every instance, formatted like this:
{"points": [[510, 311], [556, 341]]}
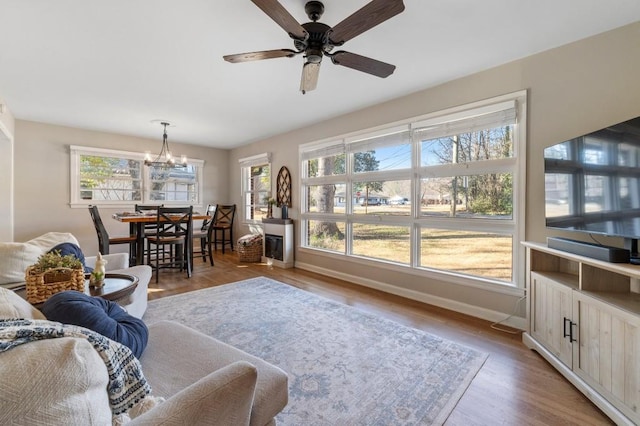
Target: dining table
{"points": [[137, 222]]}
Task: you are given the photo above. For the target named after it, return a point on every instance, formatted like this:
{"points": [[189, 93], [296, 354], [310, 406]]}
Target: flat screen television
{"points": [[592, 184]]}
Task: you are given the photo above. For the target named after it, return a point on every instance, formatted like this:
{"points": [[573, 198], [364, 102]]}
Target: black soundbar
{"points": [[594, 251]]}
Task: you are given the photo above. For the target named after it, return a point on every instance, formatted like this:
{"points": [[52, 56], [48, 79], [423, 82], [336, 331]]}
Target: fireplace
{"points": [[278, 242], [273, 247]]}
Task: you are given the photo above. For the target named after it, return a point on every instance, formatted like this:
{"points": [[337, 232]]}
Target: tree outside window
{"points": [[119, 178], [257, 190], [423, 192]]}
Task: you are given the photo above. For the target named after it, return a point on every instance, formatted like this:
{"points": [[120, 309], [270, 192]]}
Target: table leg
{"points": [[139, 230]]}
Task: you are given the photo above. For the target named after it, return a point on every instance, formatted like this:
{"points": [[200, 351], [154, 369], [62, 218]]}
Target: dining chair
{"points": [[148, 228], [223, 223], [204, 234], [104, 241], [174, 229]]}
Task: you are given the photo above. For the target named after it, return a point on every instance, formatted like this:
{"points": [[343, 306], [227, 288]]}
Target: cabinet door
{"points": [[551, 307], [608, 354]]}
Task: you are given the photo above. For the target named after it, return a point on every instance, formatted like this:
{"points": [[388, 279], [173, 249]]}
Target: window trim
{"points": [[246, 163], [75, 151], [516, 165]]}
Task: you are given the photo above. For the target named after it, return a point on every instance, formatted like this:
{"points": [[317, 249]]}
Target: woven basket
{"points": [[43, 285], [250, 248]]}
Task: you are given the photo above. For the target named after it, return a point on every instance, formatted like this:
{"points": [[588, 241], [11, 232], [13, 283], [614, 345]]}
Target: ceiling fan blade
{"points": [[372, 14], [279, 14], [256, 56], [309, 81], [362, 63]]}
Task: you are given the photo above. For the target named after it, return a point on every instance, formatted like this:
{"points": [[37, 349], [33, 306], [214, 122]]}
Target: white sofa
{"points": [[64, 380], [204, 381], [15, 258]]}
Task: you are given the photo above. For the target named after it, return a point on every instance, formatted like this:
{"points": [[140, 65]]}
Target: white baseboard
{"points": [[474, 311]]}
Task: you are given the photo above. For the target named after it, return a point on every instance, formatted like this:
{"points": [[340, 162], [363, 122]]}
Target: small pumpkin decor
{"points": [[51, 274]]}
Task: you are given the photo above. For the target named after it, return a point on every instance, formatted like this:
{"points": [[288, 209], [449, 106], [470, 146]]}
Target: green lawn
{"points": [[467, 252]]}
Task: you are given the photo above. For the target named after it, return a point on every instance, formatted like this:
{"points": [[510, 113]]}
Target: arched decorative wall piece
{"points": [[283, 185]]}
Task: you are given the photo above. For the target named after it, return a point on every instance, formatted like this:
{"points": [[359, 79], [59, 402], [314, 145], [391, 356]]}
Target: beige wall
{"points": [[7, 121], [572, 90], [42, 179]]}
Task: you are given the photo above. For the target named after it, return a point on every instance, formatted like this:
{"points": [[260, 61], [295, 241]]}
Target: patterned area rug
{"points": [[345, 366]]}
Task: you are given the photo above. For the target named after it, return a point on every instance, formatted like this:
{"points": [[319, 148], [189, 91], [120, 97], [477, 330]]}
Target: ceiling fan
{"points": [[315, 39]]}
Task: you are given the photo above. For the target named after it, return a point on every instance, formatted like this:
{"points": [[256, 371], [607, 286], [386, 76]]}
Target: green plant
{"points": [[54, 259], [97, 275]]}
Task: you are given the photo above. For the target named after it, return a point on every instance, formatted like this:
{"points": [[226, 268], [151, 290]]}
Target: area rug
{"points": [[345, 366]]}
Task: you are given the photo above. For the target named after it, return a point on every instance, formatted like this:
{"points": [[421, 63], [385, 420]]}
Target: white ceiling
{"points": [[117, 65]]}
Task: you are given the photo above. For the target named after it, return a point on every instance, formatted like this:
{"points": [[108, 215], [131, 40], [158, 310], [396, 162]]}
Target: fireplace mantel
{"points": [[277, 221]]}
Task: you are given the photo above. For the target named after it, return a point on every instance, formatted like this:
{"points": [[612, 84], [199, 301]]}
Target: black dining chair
{"points": [[223, 224], [174, 228], [104, 241], [204, 234], [148, 228]]}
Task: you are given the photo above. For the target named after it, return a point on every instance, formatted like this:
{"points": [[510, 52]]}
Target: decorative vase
{"points": [[270, 211], [285, 211]]}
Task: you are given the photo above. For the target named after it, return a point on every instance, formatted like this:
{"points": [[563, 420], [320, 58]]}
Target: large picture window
{"points": [[119, 178], [443, 192]]}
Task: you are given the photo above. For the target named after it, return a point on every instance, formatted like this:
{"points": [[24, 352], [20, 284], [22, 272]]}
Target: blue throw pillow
{"points": [[70, 248], [100, 315]]}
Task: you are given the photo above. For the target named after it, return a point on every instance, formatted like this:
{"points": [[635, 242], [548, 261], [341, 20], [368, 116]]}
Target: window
{"points": [[443, 192], [120, 179], [174, 185], [256, 186]]}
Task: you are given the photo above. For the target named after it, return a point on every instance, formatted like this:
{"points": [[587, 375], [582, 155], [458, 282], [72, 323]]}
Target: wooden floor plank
{"points": [[514, 387]]}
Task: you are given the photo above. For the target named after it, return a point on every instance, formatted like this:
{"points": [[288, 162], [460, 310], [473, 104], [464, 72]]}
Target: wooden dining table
{"points": [[136, 223]]}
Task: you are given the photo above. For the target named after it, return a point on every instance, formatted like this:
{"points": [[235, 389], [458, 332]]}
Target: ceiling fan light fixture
{"points": [[309, 81], [313, 56]]}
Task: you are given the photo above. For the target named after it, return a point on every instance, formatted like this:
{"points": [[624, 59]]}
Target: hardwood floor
{"points": [[515, 386]]}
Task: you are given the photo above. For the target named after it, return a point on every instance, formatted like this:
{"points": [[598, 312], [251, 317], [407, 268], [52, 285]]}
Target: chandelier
{"points": [[165, 159]]}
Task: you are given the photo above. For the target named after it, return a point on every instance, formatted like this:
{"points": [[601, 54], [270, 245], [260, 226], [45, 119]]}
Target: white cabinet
{"points": [[584, 318], [552, 306], [607, 355]]}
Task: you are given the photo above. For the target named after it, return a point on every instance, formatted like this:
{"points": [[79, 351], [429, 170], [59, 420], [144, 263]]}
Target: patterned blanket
{"points": [[127, 385]]}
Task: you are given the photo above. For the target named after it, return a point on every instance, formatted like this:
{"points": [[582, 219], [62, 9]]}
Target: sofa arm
{"points": [[114, 261], [224, 397]]}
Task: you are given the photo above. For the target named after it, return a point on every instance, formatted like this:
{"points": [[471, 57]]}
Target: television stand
{"points": [[583, 317]]}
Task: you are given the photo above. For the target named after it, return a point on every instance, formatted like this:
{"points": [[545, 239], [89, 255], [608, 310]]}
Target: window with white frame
{"points": [[256, 186], [119, 178], [442, 192]]}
